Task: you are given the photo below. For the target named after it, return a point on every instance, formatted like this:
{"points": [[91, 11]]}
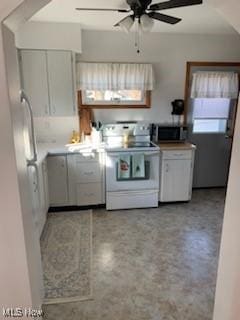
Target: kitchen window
{"points": [[210, 115], [116, 98], [115, 85]]}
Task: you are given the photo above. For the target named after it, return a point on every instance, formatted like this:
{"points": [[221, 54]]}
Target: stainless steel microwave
{"points": [[169, 133]]}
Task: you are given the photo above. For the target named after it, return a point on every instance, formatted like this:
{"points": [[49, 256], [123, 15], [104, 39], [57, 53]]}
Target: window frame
{"points": [[124, 105], [209, 118]]}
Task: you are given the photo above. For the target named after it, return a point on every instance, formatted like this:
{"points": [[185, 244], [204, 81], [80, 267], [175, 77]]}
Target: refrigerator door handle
{"points": [[24, 97]]}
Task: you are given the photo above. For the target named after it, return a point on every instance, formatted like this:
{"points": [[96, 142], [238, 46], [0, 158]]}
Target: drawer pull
{"points": [[88, 173], [88, 194]]}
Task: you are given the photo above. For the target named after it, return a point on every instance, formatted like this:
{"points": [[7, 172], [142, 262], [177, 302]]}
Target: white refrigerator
{"points": [[31, 159]]}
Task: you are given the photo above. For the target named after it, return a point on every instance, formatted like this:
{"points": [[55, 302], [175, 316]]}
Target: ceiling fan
{"points": [[145, 12]]}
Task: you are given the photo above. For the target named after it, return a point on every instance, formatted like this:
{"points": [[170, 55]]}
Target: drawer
{"points": [[89, 194], [88, 172], [132, 199], [177, 154], [87, 157]]}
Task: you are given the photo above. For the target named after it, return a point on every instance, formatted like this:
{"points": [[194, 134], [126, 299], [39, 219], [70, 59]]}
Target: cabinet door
{"points": [[35, 82], [35, 196], [60, 76], [86, 181], [89, 194], [41, 188], [57, 180], [45, 185], [176, 180]]}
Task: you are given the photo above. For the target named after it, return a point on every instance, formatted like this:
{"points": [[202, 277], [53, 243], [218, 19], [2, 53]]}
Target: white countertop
{"points": [[45, 149]]}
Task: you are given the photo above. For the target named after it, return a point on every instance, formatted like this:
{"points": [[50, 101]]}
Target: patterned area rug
{"points": [[66, 246]]}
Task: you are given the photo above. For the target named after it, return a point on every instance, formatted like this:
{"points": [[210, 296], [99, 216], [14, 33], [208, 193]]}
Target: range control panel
{"points": [[131, 129]]}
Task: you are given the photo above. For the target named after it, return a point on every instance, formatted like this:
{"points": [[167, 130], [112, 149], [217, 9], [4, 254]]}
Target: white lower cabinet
{"points": [[86, 179], [42, 198], [176, 174], [45, 185], [33, 178], [89, 193], [58, 180], [38, 180]]}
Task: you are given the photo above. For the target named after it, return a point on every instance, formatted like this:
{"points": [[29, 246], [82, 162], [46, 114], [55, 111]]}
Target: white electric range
{"points": [[132, 166]]}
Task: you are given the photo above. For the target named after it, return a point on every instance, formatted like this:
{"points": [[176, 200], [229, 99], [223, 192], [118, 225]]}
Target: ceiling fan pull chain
{"points": [[136, 31], [137, 36]]}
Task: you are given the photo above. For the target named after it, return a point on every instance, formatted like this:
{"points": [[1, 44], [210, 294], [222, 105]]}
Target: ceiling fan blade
{"points": [[130, 16], [163, 17], [99, 9], [174, 4]]}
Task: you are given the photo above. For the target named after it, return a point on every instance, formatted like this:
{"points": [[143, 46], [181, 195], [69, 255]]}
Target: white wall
{"points": [[32, 246], [49, 35], [168, 53], [229, 10], [227, 305], [19, 263], [55, 129], [12, 244]]}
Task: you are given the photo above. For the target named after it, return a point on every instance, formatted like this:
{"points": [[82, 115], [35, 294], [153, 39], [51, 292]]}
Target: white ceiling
{"points": [[201, 19]]}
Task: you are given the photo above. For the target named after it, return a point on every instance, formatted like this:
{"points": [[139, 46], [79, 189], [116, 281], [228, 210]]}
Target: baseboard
{"points": [[75, 208]]}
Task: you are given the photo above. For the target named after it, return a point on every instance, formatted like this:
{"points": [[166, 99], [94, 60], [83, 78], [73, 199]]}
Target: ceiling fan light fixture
{"points": [[146, 22], [126, 24]]}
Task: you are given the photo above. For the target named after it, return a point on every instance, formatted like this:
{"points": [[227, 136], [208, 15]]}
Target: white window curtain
{"points": [[114, 76], [215, 85]]}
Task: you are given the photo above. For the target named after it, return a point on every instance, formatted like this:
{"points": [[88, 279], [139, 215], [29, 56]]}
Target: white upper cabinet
{"points": [[48, 79], [35, 80], [60, 77]]}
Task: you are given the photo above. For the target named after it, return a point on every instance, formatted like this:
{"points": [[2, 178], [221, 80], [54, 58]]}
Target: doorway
{"points": [[210, 127]]}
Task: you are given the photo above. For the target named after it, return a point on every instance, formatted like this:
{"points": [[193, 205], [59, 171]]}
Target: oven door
{"points": [[150, 182]]}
